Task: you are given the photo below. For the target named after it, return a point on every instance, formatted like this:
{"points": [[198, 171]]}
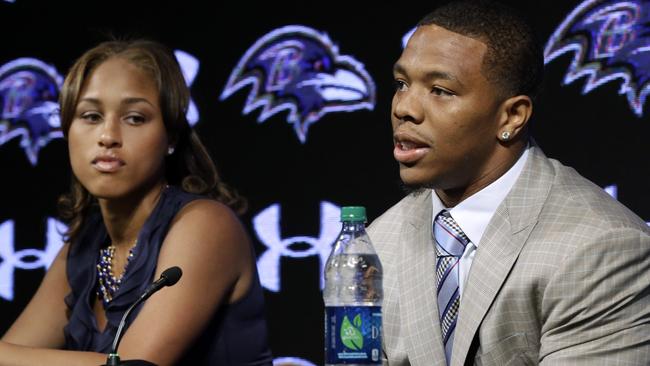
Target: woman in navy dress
{"points": [[145, 196]]}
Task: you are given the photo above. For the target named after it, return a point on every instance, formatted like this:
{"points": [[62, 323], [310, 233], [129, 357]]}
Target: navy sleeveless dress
{"points": [[236, 334]]}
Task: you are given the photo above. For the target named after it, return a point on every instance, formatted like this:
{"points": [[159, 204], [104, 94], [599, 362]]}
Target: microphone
{"points": [[169, 277]]}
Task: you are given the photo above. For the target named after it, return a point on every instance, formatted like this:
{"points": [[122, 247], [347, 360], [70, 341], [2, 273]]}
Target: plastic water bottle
{"points": [[353, 295]]}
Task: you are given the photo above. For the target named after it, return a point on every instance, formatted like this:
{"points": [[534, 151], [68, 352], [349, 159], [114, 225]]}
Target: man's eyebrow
{"points": [[398, 69], [431, 75], [440, 75]]}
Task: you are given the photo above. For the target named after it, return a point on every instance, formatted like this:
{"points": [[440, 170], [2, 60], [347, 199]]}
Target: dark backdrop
{"points": [[346, 158]]}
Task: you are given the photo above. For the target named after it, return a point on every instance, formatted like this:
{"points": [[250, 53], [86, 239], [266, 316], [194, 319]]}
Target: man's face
{"points": [[445, 113]]}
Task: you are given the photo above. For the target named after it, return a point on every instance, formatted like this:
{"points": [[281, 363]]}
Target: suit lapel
{"points": [[489, 270], [417, 279], [500, 246]]}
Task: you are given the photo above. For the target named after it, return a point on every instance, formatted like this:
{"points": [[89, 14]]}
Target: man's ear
{"points": [[515, 113]]}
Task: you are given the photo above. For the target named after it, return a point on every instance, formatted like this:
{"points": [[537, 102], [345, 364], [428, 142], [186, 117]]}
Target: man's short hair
{"points": [[514, 59]]}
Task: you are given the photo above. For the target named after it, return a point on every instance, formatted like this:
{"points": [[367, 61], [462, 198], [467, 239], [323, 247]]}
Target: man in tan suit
{"points": [[552, 270]]}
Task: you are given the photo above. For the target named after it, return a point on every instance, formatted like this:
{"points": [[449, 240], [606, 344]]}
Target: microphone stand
{"points": [[113, 357], [169, 277]]}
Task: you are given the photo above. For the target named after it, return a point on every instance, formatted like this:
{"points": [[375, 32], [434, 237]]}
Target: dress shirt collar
{"points": [[475, 212]]}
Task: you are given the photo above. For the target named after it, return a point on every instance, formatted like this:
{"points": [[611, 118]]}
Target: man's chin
{"points": [[415, 181], [414, 188]]}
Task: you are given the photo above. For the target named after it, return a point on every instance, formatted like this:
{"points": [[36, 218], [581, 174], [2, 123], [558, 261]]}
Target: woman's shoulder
{"points": [[204, 210], [207, 241], [209, 221]]}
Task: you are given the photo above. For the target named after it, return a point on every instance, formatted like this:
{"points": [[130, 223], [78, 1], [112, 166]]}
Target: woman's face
{"points": [[117, 139]]}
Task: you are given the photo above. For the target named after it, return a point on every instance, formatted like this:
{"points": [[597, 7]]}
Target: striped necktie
{"points": [[450, 245]]}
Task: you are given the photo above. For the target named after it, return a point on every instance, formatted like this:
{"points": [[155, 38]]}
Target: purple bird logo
{"points": [[29, 108], [610, 41], [299, 70]]}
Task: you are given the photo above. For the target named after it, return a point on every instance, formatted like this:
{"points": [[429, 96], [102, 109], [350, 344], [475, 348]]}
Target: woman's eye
{"points": [[135, 119], [91, 117]]}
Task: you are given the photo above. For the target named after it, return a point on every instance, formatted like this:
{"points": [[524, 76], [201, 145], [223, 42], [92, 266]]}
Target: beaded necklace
{"points": [[108, 283]]}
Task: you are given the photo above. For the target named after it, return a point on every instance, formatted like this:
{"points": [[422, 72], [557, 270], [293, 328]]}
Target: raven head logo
{"points": [[298, 69], [610, 40], [29, 108]]}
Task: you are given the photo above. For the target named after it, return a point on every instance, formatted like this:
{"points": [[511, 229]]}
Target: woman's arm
{"points": [[15, 355], [210, 245], [34, 337], [41, 322]]}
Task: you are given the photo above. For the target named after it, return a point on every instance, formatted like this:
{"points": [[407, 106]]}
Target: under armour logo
{"points": [[26, 258], [267, 228]]}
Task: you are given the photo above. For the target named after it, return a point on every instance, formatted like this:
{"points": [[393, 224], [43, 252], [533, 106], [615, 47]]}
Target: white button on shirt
{"points": [[475, 212]]}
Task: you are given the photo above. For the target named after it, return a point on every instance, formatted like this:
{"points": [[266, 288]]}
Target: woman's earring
{"points": [[505, 135], [170, 150]]}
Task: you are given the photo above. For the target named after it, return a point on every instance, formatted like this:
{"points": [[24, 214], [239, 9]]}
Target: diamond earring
{"points": [[505, 135], [170, 150]]}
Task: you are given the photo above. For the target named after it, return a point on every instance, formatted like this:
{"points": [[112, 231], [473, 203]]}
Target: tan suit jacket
{"points": [[561, 277]]}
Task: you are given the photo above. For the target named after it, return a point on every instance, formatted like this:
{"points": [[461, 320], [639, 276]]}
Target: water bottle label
{"points": [[353, 335]]}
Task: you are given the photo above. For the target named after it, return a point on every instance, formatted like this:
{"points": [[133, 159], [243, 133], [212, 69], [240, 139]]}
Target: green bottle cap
{"points": [[353, 213]]}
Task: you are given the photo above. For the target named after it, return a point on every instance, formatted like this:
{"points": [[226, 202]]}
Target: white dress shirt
{"points": [[475, 212]]}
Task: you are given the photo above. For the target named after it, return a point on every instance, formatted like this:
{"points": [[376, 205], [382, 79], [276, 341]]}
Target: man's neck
{"points": [[505, 158]]}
